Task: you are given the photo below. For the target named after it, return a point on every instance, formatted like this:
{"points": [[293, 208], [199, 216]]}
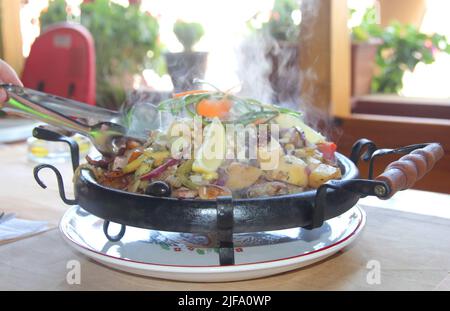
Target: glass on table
{"points": [[42, 151]]}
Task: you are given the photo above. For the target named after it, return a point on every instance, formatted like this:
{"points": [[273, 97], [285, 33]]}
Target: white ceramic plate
{"points": [[194, 257], [12, 130]]}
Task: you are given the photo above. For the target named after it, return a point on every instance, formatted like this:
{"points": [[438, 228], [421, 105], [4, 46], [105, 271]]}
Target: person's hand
{"points": [[7, 75]]}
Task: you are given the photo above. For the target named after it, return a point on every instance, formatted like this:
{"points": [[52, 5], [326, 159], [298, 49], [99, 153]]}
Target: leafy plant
{"points": [[126, 41], [188, 33], [123, 39], [56, 12], [402, 48], [281, 25], [368, 28]]}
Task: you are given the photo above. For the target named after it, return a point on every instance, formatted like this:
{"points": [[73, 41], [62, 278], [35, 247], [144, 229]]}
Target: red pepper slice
{"points": [[136, 154], [328, 149]]}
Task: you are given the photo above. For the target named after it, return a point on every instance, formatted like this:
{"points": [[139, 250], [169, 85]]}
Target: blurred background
{"points": [[228, 24], [377, 69]]}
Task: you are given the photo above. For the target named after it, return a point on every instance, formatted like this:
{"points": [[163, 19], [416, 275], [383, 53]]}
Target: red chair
{"points": [[62, 62]]}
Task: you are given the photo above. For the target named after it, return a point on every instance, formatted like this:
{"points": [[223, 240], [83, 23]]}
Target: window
{"points": [[425, 92], [432, 80]]}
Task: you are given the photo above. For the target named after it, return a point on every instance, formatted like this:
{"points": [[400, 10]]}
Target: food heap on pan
{"points": [[220, 144]]}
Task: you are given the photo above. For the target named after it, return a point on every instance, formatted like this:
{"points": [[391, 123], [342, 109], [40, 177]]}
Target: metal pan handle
{"points": [[399, 175]]}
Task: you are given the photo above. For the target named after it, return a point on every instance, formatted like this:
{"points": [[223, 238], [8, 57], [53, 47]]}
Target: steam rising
{"points": [[256, 58], [140, 113], [270, 72], [254, 69]]}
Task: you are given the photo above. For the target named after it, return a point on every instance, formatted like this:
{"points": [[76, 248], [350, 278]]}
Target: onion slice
{"points": [[160, 169]]}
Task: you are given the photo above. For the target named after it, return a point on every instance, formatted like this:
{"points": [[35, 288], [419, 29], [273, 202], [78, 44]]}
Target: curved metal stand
{"points": [[62, 192], [357, 150], [113, 238], [52, 135]]}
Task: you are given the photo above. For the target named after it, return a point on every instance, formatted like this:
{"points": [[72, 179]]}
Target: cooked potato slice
{"points": [[269, 156], [305, 152], [291, 170], [323, 173], [287, 121], [313, 163], [241, 176], [267, 189]]}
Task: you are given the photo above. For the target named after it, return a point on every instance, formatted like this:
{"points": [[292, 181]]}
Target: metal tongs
{"points": [[106, 135]]}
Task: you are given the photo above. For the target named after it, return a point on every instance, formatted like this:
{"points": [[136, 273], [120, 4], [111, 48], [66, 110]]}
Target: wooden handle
{"points": [[403, 173]]}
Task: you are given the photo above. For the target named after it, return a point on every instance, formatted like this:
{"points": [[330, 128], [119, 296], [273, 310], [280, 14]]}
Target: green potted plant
{"points": [[126, 42], [403, 47], [281, 24], [380, 57], [365, 43], [185, 66]]}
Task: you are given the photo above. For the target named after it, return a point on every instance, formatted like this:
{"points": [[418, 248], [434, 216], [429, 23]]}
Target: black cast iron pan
{"points": [[226, 215], [256, 214]]}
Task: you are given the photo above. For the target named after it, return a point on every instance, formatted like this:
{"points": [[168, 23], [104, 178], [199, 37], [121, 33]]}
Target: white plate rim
{"points": [[217, 269]]}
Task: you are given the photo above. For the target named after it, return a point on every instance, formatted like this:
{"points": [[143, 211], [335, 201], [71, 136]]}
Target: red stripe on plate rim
{"points": [[219, 266]]}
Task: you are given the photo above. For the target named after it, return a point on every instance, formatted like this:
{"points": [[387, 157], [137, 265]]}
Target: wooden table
{"points": [[408, 235]]}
